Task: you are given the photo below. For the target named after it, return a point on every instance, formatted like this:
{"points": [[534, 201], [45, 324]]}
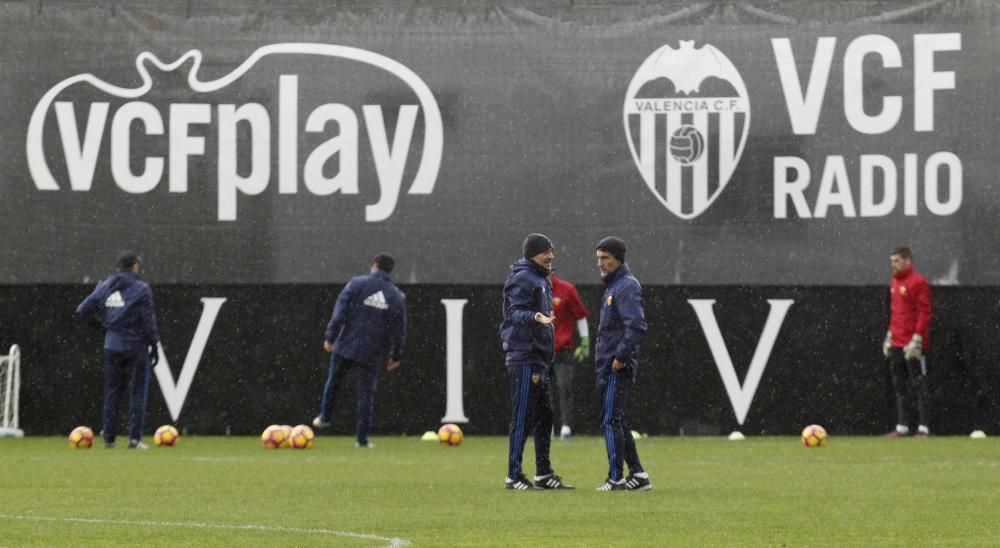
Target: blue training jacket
{"points": [[527, 291], [623, 321], [123, 305], [369, 320]]}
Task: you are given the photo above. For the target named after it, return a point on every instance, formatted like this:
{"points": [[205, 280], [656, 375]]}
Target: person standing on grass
{"points": [[620, 332], [569, 312], [368, 323], [528, 343], [122, 304], [908, 340]]}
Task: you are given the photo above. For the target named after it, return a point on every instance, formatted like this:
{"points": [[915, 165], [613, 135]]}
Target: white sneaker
{"points": [[137, 444]]}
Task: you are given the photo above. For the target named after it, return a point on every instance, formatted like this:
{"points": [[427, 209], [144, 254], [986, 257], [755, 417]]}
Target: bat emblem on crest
{"points": [[687, 116]]}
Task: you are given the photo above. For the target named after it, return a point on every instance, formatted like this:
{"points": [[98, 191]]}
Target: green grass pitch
{"points": [[761, 491]]}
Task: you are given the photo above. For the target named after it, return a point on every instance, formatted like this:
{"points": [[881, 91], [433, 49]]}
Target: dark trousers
{"points": [[123, 369], [367, 383], [910, 377], [565, 367], [613, 390], [531, 411]]}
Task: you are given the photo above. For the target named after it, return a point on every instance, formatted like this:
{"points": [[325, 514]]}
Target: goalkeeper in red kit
{"points": [[908, 340], [569, 312]]}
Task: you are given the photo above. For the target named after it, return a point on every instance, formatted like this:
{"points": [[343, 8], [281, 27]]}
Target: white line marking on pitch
{"points": [[392, 541]]}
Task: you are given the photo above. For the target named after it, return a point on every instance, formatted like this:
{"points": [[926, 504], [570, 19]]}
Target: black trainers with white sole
{"points": [[520, 483], [638, 482], [610, 485], [551, 481]]}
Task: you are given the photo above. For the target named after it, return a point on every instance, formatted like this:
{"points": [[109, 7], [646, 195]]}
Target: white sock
{"points": [[923, 429], [902, 429], [565, 431], [642, 475]]}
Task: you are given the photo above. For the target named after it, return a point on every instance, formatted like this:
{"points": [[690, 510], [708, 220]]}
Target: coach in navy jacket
{"points": [[123, 305], [528, 336], [527, 293], [619, 334], [368, 324], [623, 322]]}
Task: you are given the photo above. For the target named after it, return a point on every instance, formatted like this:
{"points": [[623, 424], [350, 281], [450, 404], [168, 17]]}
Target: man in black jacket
{"points": [[123, 305], [529, 344]]}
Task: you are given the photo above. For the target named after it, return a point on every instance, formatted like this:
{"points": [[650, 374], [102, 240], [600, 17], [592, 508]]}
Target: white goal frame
{"points": [[10, 384]]}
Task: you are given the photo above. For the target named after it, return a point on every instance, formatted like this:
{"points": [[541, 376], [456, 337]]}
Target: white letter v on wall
{"points": [[741, 396], [175, 394]]}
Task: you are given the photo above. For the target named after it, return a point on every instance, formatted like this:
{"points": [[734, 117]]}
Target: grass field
{"points": [[762, 491]]}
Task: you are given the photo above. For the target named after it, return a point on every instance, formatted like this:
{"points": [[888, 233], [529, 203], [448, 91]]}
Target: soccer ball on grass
{"points": [[450, 435], [166, 436], [274, 437], [81, 438], [814, 435], [302, 437]]}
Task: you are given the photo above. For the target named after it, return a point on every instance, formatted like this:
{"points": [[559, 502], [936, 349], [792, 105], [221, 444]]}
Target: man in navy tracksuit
{"points": [[368, 323], [528, 337], [123, 305], [619, 334]]}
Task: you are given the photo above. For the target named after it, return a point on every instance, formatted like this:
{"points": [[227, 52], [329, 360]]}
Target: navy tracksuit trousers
{"points": [[531, 411], [613, 390], [123, 369], [367, 383]]}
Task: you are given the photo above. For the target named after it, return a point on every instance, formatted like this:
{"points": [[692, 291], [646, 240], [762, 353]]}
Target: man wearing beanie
{"points": [[620, 331], [528, 343]]}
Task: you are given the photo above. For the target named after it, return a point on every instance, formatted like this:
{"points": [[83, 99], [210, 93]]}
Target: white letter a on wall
{"points": [[741, 396], [175, 394]]}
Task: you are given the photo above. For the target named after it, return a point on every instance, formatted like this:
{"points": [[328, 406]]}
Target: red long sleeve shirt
{"points": [[911, 307], [568, 308]]}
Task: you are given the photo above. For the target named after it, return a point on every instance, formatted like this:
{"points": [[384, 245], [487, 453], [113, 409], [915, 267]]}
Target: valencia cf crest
{"points": [[536, 378], [687, 116]]}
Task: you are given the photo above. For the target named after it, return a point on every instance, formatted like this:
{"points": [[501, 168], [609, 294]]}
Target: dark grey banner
{"points": [[762, 360], [235, 149]]}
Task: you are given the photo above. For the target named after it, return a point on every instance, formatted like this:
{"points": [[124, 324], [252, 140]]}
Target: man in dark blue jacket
{"points": [[368, 324], [619, 334], [123, 305], [528, 337]]}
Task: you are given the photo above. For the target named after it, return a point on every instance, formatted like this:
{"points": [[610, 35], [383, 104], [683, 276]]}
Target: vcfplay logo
{"points": [[687, 116], [142, 133]]}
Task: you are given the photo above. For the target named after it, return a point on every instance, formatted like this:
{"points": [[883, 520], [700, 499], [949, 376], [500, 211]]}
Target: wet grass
{"points": [[761, 491]]}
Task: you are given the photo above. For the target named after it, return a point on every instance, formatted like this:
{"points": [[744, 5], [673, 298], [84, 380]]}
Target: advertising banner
{"points": [[290, 149]]}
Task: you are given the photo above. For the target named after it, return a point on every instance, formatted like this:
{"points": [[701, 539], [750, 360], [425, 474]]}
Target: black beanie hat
{"points": [[535, 244], [614, 246]]}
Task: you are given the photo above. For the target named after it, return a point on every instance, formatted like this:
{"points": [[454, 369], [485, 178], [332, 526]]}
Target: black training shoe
{"points": [[520, 483], [551, 481], [636, 483], [109, 445], [137, 444], [610, 485]]}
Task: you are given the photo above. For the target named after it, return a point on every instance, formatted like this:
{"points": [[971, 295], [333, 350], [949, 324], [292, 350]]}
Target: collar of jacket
{"points": [[537, 268], [622, 271], [382, 274], [905, 273]]}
